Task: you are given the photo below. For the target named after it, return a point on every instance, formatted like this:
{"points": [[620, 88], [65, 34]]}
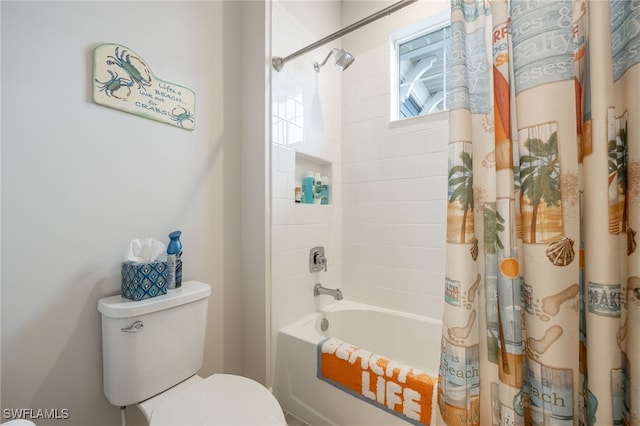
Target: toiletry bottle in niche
{"points": [[298, 194], [174, 260], [317, 189], [324, 193], [307, 187]]}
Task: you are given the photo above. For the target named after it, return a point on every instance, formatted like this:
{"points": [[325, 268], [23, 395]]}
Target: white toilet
{"points": [[151, 351]]}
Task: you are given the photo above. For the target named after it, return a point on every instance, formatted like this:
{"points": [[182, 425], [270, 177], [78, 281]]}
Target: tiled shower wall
{"points": [[384, 230], [394, 195], [306, 120]]}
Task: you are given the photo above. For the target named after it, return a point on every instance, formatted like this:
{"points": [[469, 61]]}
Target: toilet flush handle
{"points": [[133, 328]]}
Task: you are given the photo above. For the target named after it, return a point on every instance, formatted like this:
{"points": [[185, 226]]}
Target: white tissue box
{"points": [[143, 280]]}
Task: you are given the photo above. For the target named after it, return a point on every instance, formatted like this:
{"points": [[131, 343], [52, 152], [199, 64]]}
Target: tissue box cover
{"points": [[143, 280]]}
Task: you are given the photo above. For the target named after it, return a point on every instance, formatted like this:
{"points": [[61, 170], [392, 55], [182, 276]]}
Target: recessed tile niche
{"points": [[306, 164]]}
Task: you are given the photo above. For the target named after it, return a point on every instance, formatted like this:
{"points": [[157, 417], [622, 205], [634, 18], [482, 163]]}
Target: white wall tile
{"points": [[351, 132], [285, 237], [374, 107], [375, 128], [384, 231], [286, 159], [289, 263], [377, 61], [309, 108], [394, 197], [432, 164], [374, 86], [283, 186], [359, 152]]}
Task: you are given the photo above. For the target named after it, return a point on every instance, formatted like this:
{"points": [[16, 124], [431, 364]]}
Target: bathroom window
{"points": [[419, 64]]}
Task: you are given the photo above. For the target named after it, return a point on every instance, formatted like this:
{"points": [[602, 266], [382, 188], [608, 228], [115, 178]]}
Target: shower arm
{"points": [[335, 49], [278, 62]]}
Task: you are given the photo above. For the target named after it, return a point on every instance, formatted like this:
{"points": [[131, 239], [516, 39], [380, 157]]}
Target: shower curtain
{"points": [[542, 292]]}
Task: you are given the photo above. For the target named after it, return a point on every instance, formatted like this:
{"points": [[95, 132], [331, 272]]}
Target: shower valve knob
{"points": [[317, 261]]}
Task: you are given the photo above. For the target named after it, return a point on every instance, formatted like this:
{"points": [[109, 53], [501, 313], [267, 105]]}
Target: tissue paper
{"points": [[145, 250], [144, 270]]}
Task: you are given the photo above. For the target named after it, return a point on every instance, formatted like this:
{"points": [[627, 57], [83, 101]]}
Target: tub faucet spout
{"points": [[318, 290]]}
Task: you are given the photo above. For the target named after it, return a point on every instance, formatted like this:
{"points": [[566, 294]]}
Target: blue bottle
{"points": [[174, 260], [308, 188]]}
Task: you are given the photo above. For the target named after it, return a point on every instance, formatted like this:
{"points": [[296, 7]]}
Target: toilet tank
{"points": [[151, 345]]}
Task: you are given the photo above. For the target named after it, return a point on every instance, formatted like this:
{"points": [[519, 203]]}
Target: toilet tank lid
{"points": [[119, 307]]}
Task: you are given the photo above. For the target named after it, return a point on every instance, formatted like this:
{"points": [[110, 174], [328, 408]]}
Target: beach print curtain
{"points": [[542, 293]]}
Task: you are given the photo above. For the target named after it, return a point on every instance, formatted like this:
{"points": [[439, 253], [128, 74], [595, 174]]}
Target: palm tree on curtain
{"points": [[539, 176], [618, 168], [461, 181], [493, 225]]}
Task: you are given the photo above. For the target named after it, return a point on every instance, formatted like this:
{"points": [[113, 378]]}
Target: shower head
{"points": [[343, 60]]}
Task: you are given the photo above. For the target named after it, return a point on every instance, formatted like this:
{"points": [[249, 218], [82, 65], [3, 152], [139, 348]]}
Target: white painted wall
{"points": [[79, 181], [256, 196], [0, 222]]}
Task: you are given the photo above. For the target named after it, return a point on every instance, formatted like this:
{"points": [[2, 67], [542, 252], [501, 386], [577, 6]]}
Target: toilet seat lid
{"points": [[221, 399]]}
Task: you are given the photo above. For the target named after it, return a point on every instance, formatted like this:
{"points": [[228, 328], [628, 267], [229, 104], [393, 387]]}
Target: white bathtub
{"points": [[408, 339]]}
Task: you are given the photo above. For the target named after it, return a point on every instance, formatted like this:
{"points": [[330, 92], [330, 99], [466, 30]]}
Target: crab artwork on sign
{"points": [[122, 80]]}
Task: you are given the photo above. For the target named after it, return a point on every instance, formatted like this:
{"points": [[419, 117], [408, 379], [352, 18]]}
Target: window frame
{"points": [[418, 29]]}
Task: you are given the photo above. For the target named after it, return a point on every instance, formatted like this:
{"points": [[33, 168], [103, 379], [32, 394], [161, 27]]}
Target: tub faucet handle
{"points": [[321, 260], [317, 261]]}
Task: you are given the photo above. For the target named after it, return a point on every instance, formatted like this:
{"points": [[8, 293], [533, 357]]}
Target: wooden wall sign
{"points": [[123, 80]]}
